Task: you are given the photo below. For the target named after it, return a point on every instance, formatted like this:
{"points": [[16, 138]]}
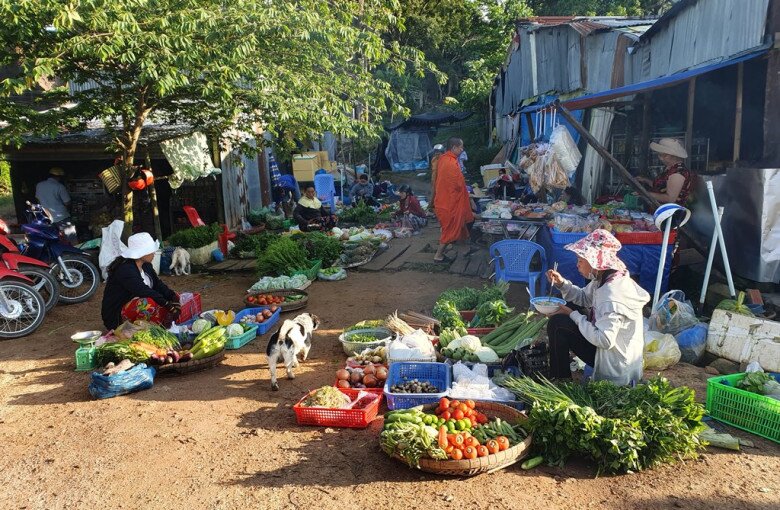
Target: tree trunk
{"points": [[131, 145]]}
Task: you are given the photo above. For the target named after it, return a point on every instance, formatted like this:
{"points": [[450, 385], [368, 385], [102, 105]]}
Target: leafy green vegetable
{"points": [[447, 313], [361, 214], [754, 382], [196, 237], [492, 292], [492, 313], [620, 428], [464, 299], [320, 246], [735, 306], [253, 243], [407, 436], [282, 256]]}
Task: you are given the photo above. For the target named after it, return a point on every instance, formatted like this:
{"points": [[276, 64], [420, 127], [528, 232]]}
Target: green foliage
{"points": [[447, 314], [196, 237], [281, 257], [599, 7], [360, 214], [320, 246], [252, 243], [5, 176]]}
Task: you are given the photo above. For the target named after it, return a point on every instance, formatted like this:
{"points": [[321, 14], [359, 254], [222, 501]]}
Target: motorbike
{"points": [[22, 308], [78, 278], [34, 269]]}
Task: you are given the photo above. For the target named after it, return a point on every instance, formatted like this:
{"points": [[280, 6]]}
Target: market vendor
{"points": [[503, 188], [133, 289], [452, 205], [310, 213], [362, 191], [676, 183], [410, 211], [611, 337]]}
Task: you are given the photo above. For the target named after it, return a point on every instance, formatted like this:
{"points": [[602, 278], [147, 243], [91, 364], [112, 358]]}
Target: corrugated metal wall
{"points": [[599, 60]]}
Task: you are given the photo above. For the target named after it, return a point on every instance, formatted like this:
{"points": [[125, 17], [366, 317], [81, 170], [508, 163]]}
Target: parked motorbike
{"points": [[77, 276], [37, 271], [22, 309]]}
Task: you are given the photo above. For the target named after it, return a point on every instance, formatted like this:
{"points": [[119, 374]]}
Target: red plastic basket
{"points": [[191, 309], [467, 315], [378, 391], [645, 237], [479, 331], [325, 417]]}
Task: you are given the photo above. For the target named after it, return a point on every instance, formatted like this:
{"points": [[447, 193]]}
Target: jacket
{"points": [[124, 284], [617, 330]]}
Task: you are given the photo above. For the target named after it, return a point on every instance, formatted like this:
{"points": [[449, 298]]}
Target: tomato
{"points": [[471, 404], [446, 415], [473, 421], [444, 403], [470, 452], [455, 403], [455, 454], [482, 451], [492, 446], [463, 408], [458, 414], [503, 443], [449, 449]]}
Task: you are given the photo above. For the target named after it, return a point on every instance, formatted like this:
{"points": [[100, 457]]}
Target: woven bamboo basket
{"points": [[480, 465], [191, 366], [286, 307]]}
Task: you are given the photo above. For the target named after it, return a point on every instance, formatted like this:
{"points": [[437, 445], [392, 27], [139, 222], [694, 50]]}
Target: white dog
{"points": [[291, 339], [180, 262]]}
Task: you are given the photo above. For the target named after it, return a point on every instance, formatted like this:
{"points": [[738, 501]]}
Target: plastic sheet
{"points": [[140, 377]]}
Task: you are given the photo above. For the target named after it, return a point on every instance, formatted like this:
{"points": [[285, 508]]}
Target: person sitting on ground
{"points": [[310, 214], [611, 337], [410, 212], [133, 289], [362, 191], [286, 192], [503, 186]]}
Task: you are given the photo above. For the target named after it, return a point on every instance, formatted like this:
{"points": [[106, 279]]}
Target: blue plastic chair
{"points": [[512, 259], [325, 187]]}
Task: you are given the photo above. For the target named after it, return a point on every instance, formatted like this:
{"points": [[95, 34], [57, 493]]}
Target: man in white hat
{"points": [[133, 289], [53, 195], [675, 184]]}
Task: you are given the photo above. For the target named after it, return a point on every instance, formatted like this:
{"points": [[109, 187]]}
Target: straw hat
{"points": [[669, 146], [139, 245], [59, 172]]}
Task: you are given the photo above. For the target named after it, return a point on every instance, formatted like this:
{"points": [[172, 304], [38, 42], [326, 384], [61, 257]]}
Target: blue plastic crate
{"points": [[236, 342], [437, 374], [566, 237], [262, 328]]}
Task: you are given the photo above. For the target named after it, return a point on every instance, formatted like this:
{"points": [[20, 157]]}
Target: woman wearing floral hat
{"points": [[611, 337]]}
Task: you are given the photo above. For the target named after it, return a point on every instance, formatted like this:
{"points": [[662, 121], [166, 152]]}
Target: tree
{"points": [[302, 67], [599, 7]]}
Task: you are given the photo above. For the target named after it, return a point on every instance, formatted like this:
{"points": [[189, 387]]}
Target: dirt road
{"points": [[221, 439]]}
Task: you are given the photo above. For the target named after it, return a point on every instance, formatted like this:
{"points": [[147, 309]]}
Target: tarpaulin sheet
{"points": [[641, 260]]}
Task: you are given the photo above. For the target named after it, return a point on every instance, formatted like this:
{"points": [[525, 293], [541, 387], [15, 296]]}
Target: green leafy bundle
{"points": [[361, 214], [282, 256], [196, 237], [253, 243], [465, 298], [448, 315], [622, 429], [320, 246], [491, 313], [754, 382]]}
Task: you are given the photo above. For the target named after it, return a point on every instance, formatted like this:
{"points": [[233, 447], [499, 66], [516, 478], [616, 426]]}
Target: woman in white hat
{"points": [[133, 289], [675, 185]]}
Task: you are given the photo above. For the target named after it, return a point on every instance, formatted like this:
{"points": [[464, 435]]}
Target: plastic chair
{"points": [[513, 258], [193, 216], [325, 187]]}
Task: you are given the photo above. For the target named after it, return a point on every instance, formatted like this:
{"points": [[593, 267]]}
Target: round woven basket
{"points": [[489, 463], [286, 307], [190, 366]]}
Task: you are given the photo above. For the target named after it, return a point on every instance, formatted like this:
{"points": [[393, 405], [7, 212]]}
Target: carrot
{"points": [[443, 437]]}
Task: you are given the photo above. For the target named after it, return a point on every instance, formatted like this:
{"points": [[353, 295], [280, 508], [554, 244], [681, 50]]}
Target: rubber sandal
{"points": [[445, 260]]}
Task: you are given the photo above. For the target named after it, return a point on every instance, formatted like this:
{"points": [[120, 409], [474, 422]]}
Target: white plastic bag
{"points": [[565, 149], [673, 313], [661, 351], [111, 245]]}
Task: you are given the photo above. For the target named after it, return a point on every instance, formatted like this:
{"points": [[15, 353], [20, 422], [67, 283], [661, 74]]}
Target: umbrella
{"points": [[274, 170]]}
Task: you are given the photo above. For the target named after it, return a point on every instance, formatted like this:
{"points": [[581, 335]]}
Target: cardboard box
{"points": [[489, 172], [304, 167]]}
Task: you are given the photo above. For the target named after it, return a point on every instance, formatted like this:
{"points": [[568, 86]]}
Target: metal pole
{"points": [[710, 260], [721, 239], [661, 263]]}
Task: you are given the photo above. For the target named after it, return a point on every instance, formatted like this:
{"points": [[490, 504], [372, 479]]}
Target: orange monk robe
{"points": [[451, 200]]}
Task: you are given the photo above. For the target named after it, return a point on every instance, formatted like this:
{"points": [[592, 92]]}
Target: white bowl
{"points": [[547, 305]]}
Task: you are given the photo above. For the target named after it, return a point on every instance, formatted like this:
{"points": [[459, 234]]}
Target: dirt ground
{"points": [[221, 439]]}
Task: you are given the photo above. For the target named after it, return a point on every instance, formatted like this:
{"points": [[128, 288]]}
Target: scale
{"points": [[85, 354]]}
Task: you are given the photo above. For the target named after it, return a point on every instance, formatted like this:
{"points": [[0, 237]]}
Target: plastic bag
{"points": [[565, 149], [661, 351], [140, 377], [111, 245], [339, 275], [692, 342], [673, 313]]}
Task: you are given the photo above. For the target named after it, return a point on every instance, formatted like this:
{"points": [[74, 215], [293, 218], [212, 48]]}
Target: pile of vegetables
{"points": [[358, 251], [265, 216], [406, 436], [491, 313], [252, 243], [153, 341], [282, 256], [196, 237], [374, 356], [327, 396], [415, 386], [468, 298], [360, 214], [621, 429], [737, 306], [279, 283], [265, 299], [320, 246], [760, 383], [467, 348], [259, 317], [448, 315], [360, 337], [372, 323], [209, 342], [369, 376], [514, 333]]}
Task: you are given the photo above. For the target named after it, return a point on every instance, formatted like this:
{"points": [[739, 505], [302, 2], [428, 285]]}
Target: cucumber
{"points": [[532, 463]]}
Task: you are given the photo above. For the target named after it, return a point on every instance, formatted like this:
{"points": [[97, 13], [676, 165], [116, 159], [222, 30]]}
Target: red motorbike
{"points": [[36, 271]]}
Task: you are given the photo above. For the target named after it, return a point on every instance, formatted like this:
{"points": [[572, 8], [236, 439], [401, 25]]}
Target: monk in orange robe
{"points": [[451, 199]]}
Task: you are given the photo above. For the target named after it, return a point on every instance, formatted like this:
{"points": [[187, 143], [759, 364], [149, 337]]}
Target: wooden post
{"points": [[738, 111], [644, 137], [152, 190], [689, 119], [604, 153], [530, 123], [265, 186]]}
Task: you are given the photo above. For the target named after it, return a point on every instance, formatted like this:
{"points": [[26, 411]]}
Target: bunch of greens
{"points": [[406, 436], [492, 292], [754, 382], [361, 214], [196, 237], [465, 298], [736, 306], [282, 256], [320, 246], [257, 216], [622, 429], [491, 313], [253, 243], [448, 315]]}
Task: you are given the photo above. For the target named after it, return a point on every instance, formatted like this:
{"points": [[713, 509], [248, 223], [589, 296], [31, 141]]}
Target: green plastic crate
{"points": [[236, 342], [632, 201], [742, 409], [311, 274]]}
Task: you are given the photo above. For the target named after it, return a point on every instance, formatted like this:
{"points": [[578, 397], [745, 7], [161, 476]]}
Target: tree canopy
{"points": [[599, 7]]}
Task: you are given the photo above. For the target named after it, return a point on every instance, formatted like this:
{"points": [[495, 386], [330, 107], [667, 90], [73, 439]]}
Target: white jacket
{"points": [[617, 333]]}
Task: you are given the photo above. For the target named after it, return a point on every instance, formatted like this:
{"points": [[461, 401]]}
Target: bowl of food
{"points": [[547, 305], [358, 340]]}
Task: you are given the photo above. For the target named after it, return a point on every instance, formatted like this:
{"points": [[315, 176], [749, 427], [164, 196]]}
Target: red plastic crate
{"points": [[378, 391], [326, 417], [191, 309], [645, 237], [479, 331]]}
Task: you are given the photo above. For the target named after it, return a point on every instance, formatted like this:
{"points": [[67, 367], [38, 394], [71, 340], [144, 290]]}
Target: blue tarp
{"points": [[525, 135]]}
